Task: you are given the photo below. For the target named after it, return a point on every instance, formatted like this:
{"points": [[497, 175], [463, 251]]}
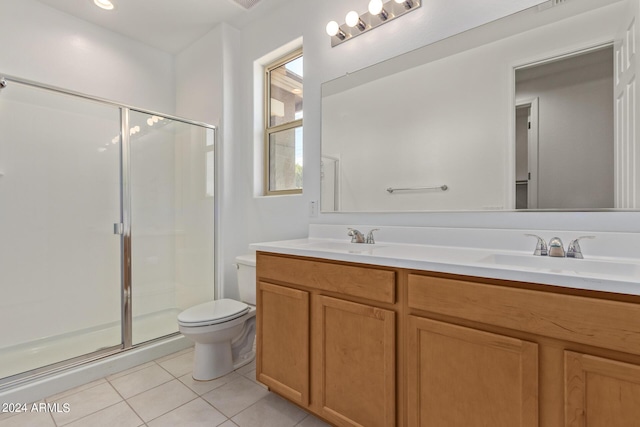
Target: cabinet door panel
{"points": [[355, 372], [601, 392], [283, 341], [459, 376]]}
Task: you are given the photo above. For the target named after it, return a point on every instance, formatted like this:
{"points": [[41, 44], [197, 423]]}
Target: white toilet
{"points": [[223, 330]]}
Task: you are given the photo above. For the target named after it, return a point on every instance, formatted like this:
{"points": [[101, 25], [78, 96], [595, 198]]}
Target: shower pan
{"points": [[107, 226]]}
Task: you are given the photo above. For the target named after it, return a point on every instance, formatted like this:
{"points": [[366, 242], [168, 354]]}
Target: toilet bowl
{"points": [[223, 330]]}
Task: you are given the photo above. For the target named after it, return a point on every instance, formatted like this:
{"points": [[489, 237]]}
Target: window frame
{"points": [[269, 130]]}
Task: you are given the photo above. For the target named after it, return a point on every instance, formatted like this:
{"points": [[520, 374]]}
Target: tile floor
{"points": [[162, 393]]}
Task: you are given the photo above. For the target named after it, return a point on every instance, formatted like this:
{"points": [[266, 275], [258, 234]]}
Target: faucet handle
{"points": [[356, 236], [574, 250], [541, 246], [370, 239]]}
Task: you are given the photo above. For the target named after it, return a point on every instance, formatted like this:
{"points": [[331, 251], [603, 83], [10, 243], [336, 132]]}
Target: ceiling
{"points": [[169, 25]]}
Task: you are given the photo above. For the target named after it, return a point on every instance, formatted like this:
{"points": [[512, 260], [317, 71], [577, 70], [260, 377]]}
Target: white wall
{"points": [[275, 218], [47, 46], [207, 91]]}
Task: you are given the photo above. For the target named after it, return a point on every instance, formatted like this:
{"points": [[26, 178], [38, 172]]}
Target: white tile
{"points": [[228, 423], [193, 414], [28, 419], [142, 380], [86, 402], [251, 375], [312, 421], [120, 415], [272, 411], [160, 400], [129, 371], [247, 368], [75, 390], [180, 365], [235, 396], [202, 387]]}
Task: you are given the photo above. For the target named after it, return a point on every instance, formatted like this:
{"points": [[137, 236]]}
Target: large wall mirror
{"points": [[533, 111]]}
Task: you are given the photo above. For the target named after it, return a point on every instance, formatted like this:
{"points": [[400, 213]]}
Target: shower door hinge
{"points": [[118, 228]]}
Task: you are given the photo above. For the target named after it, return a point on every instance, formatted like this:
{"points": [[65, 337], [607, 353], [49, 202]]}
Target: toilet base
{"points": [[204, 370], [204, 354], [225, 349]]}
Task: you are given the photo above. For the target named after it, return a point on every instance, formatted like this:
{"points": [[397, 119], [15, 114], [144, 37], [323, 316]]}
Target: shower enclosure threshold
{"points": [[39, 354]]}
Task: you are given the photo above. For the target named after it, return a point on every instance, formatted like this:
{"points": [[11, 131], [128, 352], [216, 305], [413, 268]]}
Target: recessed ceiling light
{"points": [[104, 4]]}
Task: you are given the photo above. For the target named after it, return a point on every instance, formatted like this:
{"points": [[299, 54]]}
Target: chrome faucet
{"points": [[574, 250], [358, 237], [556, 248]]}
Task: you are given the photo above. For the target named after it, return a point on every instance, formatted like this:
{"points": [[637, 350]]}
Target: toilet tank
{"points": [[246, 265]]}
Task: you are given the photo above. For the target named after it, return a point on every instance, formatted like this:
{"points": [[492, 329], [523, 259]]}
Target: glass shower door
{"points": [[172, 221], [60, 268]]}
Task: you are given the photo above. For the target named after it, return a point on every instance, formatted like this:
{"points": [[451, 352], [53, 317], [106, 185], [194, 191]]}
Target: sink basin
{"points": [[580, 267], [342, 247]]}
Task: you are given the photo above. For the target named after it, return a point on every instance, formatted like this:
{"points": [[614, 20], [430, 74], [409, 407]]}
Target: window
{"points": [[283, 125]]}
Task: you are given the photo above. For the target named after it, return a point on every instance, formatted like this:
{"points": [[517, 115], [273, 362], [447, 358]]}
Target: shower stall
{"points": [[106, 227]]}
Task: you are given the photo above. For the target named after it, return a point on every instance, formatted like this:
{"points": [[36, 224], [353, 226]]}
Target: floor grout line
{"points": [[198, 396], [127, 402]]}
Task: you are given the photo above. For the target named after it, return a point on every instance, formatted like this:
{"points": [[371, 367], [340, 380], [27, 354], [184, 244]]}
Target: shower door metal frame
{"points": [[125, 220], [124, 231]]}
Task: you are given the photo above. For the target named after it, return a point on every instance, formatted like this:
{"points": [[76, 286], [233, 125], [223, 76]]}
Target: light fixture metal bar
{"points": [[393, 10]]}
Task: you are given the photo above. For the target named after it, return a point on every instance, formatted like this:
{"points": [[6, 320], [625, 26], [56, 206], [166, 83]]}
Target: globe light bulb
{"points": [[333, 28], [352, 18], [375, 7]]}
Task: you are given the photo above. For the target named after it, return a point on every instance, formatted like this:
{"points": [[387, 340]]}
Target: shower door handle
{"points": [[118, 228]]}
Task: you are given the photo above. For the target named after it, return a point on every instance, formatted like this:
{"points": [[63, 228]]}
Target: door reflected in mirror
{"points": [[564, 132]]}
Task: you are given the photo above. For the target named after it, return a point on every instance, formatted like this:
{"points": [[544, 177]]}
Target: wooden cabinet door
{"points": [[601, 392], [463, 377], [283, 341], [354, 366]]}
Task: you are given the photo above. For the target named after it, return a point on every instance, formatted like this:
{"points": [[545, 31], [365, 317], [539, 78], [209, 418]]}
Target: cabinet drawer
{"points": [[591, 321], [365, 282]]}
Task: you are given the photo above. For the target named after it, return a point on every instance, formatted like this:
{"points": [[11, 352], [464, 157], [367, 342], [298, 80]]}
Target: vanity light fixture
{"points": [[104, 4], [379, 13]]}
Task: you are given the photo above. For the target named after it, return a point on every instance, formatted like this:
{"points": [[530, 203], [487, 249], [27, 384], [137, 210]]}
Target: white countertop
{"points": [[608, 274]]}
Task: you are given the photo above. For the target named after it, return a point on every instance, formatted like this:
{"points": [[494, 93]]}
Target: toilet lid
{"points": [[213, 312]]}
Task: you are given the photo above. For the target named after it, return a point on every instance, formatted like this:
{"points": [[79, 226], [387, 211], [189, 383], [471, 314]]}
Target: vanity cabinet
{"points": [[362, 345], [326, 338], [518, 354]]}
